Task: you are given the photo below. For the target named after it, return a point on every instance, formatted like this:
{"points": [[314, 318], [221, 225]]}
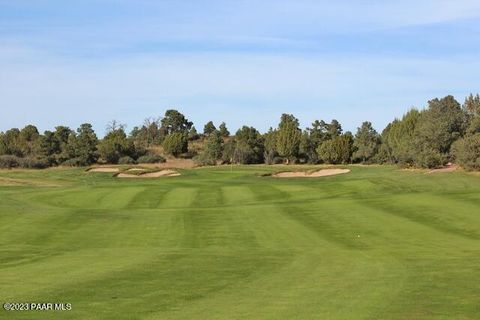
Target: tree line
{"points": [[445, 131]]}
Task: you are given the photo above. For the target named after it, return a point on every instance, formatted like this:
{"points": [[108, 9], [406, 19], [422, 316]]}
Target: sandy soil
{"points": [[172, 163], [157, 174], [103, 169], [450, 168], [319, 173]]}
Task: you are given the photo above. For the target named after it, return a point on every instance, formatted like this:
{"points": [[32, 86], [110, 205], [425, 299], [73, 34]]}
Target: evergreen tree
{"points": [[174, 121], [337, 150], [270, 145], [213, 149], [249, 147], [223, 130], [86, 144], [366, 142], [209, 128], [437, 128], [175, 143], [288, 137], [193, 134]]}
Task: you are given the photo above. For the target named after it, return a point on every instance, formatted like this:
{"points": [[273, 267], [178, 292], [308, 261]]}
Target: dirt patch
{"points": [[448, 168], [156, 174], [171, 163], [104, 169], [315, 174]]}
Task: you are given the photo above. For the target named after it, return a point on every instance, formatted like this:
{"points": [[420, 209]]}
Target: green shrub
{"points": [[33, 163], [205, 159], [213, 150], [467, 152], [126, 160], [151, 158], [74, 162], [430, 158], [176, 143], [8, 161]]}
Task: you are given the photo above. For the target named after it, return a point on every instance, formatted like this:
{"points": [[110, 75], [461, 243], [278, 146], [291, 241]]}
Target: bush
{"points": [[151, 158], [126, 160], [213, 150], [336, 151], [243, 154], [8, 161], [430, 159], [73, 162], [175, 143], [269, 157], [204, 160], [467, 152], [33, 163]]}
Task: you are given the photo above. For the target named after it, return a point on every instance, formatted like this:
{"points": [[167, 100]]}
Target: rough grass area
{"points": [[227, 243]]}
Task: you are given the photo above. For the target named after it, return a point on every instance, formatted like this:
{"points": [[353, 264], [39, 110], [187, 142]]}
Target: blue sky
{"points": [[243, 62]]}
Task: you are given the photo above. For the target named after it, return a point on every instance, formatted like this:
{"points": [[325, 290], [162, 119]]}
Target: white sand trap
{"points": [[316, 174], [136, 169], [157, 174], [103, 169]]}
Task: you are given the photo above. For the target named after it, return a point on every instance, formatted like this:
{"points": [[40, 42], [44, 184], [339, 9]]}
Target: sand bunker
{"points": [[103, 169], [157, 174], [315, 174]]}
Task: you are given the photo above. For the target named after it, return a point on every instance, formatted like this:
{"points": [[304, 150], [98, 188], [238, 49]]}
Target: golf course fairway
{"points": [[230, 243]]}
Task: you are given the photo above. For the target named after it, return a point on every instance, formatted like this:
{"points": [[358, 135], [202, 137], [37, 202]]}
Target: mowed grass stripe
{"points": [[377, 243], [178, 198], [237, 195], [149, 198], [441, 213], [91, 197], [208, 196]]}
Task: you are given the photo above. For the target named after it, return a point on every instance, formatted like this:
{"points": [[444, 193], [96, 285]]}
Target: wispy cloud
{"points": [[95, 60]]}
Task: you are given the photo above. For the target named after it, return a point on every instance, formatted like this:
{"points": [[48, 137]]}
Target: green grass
{"points": [[225, 243]]}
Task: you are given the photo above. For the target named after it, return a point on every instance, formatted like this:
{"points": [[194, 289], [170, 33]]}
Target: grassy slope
{"points": [[223, 243]]}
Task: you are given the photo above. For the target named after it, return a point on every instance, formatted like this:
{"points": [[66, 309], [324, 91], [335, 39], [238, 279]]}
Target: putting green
{"points": [[226, 243]]}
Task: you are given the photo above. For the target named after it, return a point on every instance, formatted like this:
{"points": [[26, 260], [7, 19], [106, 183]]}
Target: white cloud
{"points": [[238, 88]]}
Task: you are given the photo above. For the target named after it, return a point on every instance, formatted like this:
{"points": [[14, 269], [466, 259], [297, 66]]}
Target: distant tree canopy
{"points": [[193, 134], [246, 148], [337, 150], [445, 131], [467, 151], [174, 122], [397, 140], [223, 130], [472, 111], [213, 149], [270, 146], [85, 147], [209, 128], [366, 142], [288, 137], [176, 143], [115, 145]]}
